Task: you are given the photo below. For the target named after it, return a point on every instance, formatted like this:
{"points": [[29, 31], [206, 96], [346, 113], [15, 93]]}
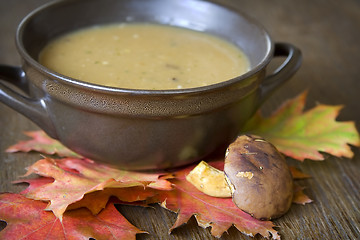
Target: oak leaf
{"points": [[303, 135], [73, 178], [26, 219]]}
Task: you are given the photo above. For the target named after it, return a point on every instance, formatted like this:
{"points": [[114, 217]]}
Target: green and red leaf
{"points": [[303, 135]]}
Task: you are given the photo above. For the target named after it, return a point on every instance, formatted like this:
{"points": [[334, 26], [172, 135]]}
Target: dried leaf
{"points": [[73, 178], [297, 174], [26, 219], [218, 213], [300, 197], [40, 142], [302, 135]]}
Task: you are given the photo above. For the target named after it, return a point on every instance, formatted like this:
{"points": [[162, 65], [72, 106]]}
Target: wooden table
{"points": [[328, 33]]}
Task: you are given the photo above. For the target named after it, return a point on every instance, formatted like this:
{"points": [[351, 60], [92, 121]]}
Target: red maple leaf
{"points": [[218, 213], [26, 219]]}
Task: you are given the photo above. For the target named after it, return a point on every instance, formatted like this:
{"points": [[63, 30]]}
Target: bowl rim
{"points": [[108, 89]]}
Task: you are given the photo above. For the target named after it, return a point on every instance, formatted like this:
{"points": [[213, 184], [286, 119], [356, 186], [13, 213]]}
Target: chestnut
{"points": [[255, 175]]}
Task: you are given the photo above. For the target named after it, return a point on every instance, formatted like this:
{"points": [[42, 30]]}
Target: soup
{"points": [[144, 56]]}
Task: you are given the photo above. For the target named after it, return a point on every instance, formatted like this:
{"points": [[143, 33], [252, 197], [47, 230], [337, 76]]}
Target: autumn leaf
{"points": [[94, 201], [26, 219], [73, 178], [297, 174], [41, 142], [300, 197], [303, 135], [218, 213], [34, 183]]}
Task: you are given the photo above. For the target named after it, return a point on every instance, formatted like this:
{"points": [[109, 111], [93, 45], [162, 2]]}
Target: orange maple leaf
{"points": [[73, 178], [94, 201]]}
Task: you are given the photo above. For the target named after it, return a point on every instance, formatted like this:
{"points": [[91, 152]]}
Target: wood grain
{"points": [[328, 34]]}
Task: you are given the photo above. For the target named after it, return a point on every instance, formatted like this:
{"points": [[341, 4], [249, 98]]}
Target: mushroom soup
{"points": [[144, 56]]}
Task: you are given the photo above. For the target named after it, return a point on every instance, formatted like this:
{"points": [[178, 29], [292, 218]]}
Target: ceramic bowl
{"points": [[142, 129]]}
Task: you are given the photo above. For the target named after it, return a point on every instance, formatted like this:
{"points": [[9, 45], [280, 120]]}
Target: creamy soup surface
{"points": [[144, 56]]}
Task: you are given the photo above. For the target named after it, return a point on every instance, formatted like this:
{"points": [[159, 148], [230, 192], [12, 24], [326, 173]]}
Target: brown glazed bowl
{"points": [[142, 129]]}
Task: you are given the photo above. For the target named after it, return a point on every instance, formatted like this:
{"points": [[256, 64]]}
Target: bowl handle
{"points": [[284, 72], [34, 109]]}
